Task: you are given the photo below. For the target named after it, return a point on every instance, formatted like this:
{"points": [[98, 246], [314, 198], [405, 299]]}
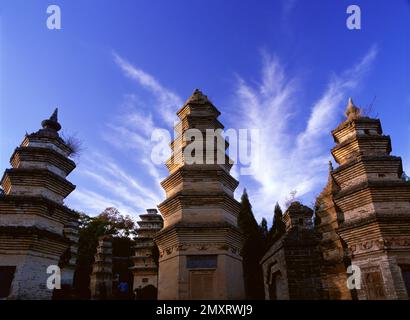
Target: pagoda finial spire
{"points": [[54, 116], [198, 98], [352, 112], [52, 122]]}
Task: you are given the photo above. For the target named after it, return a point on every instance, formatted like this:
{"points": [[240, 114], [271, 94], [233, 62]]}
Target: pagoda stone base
{"points": [[334, 280], [382, 277], [30, 277], [142, 280], [101, 276], [203, 263], [177, 282], [101, 286]]}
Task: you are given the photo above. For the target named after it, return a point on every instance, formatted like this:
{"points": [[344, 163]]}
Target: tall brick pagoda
{"points": [[371, 207], [200, 243], [36, 228], [145, 269], [362, 219]]}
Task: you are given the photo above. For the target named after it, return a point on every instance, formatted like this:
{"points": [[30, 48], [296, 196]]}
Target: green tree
{"points": [[116, 224], [246, 220], [278, 226], [278, 223], [252, 251], [109, 222]]}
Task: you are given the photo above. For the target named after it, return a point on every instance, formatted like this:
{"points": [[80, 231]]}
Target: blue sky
{"points": [[118, 69]]}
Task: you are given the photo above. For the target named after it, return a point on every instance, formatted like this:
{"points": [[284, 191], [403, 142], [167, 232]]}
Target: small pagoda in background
{"points": [[36, 229], [145, 268], [101, 279]]}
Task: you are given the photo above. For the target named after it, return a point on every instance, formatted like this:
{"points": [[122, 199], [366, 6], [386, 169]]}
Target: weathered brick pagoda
{"points": [[291, 266], [200, 243], [362, 219], [36, 228], [374, 202], [145, 269], [101, 276]]}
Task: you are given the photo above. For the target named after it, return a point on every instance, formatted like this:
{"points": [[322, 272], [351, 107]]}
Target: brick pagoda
{"points": [[375, 204], [145, 269], [36, 228], [200, 243]]}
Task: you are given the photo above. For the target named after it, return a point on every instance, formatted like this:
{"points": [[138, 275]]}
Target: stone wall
{"points": [[30, 278]]}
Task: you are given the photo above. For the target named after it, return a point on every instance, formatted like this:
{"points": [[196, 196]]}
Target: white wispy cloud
{"points": [[129, 133], [132, 130], [114, 172], [92, 202], [167, 100], [324, 112], [290, 160], [112, 186]]}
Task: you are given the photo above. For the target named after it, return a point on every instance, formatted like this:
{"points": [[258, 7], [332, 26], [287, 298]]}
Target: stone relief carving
{"points": [[378, 244], [198, 246]]}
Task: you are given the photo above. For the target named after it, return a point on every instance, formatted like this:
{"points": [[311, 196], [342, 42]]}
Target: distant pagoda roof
{"points": [[152, 215]]}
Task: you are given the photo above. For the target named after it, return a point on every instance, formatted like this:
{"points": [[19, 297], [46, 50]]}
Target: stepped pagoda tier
{"points": [[335, 262], [101, 275], [36, 229], [200, 243], [145, 269], [371, 204]]}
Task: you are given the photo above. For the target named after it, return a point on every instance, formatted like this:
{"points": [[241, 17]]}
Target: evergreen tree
{"points": [[252, 251], [264, 228], [278, 226], [278, 223], [246, 220]]}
